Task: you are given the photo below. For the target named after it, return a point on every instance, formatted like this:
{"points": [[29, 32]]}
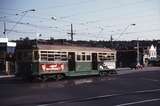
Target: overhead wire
{"points": [[58, 20], [105, 9], [17, 22], [67, 5], [11, 9]]}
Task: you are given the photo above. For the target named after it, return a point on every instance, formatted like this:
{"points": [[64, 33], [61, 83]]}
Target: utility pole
{"points": [[4, 31], [138, 63], [71, 33], [111, 40]]}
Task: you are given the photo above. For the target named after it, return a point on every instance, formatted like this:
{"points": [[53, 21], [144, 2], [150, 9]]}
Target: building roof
{"points": [[11, 44], [73, 48], [5, 40]]}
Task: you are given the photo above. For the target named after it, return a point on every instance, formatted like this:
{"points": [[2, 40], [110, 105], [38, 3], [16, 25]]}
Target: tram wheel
{"points": [[102, 73], [59, 76], [44, 78], [114, 72]]}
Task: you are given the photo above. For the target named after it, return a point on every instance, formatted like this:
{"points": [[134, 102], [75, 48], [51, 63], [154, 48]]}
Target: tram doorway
{"points": [[71, 61], [94, 61]]}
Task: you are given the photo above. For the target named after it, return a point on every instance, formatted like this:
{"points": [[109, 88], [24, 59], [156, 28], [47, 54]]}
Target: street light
{"points": [[4, 25], [25, 12], [126, 29], [138, 63], [122, 33], [54, 18], [28, 10]]}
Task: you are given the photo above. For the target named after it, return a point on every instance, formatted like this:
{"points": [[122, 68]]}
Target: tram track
{"points": [[89, 99], [74, 100], [120, 91]]}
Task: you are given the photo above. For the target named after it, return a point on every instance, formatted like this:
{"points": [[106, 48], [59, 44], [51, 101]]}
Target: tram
{"points": [[59, 61]]}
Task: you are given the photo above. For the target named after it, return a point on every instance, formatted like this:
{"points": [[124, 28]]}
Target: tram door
{"points": [[71, 61], [94, 61]]}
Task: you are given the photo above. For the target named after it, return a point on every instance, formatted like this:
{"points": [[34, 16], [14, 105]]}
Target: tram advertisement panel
{"points": [[52, 67]]}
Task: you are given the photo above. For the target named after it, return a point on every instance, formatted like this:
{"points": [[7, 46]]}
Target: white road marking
{"points": [[7, 76], [82, 81], [152, 90], [43, 105], [111, 95], [139, 102], [154, 80]]}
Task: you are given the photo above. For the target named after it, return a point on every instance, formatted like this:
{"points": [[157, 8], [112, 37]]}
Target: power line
{"points": [[126, 33], [67, 5], [16, 31], [24, 13], [8, 13], [12, 9], [16, 23], [105, 9], [43, 18], [36, 26]]}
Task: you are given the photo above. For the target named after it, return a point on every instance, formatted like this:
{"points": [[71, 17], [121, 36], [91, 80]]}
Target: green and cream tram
{"points": [[58, 61]]}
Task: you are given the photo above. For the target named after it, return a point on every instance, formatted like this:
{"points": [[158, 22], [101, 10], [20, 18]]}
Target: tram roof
{"points": [[73, 48]]}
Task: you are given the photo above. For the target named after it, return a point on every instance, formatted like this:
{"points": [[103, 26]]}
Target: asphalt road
{"points": [[128, 88]]}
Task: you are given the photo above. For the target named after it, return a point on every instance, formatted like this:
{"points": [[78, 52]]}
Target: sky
{"points": [[91, 19]]}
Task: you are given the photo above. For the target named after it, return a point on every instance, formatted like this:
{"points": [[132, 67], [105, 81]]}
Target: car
{"points": [[135, 66]]}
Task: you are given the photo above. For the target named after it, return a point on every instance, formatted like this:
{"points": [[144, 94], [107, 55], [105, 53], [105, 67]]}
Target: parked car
{"points": [[135, 66]]}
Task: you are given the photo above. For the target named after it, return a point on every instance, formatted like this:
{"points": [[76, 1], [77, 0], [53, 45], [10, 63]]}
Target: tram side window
{"points": [[44, 57], [88, 57], [101, 56], [83, 56], [64, 56], [106, 56], [111, 57], [53, 56], [78, 57], [50, 57]]}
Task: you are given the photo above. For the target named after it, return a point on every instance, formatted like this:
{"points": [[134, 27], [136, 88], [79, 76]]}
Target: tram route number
{"points": [[52, 67]]}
